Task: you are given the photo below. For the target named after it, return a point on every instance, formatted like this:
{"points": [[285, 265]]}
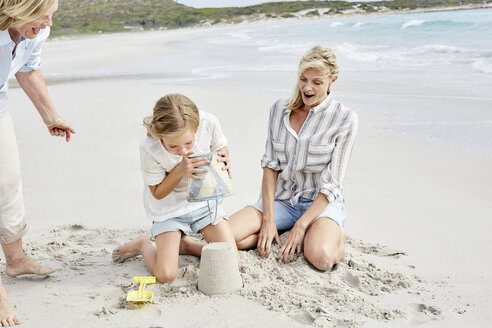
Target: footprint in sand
{"points": [[105, 312], [421, 313], [351, 280]]}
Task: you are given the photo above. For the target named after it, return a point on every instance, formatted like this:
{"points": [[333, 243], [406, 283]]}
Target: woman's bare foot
{"points": [[24, 265], [17, 263], [130, 249], [7, 315]]}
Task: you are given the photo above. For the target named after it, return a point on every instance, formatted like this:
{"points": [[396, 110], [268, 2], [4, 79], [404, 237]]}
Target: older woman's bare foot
{"points": [[19, 266], [130, 249], [17, 263], [7, 315]]}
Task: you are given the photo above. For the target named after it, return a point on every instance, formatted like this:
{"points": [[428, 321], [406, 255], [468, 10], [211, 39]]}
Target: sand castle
{"points": [[219, 272]]}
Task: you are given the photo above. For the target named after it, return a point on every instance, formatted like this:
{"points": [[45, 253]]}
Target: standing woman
{"points": [[24, 26], [310, 139]]}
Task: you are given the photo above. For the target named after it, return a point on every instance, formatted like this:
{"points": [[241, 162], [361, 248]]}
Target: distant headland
{"points": [[75, 17]]}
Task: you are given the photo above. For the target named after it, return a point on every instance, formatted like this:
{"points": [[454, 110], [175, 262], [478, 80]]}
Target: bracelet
{"points": [[54, 123]]}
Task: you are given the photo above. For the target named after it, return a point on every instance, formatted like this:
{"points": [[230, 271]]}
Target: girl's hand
{"points": [[189, 166], [268, 232], [292, 243], [61, 128], [224, 157]]}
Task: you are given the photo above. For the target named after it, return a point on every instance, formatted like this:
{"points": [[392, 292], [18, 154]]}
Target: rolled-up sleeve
{"points": [[332, 176], [269, 159], [153, 173], [34, 61]]}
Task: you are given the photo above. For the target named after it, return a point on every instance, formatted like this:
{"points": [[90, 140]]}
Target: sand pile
{"points": [[360, 290]]}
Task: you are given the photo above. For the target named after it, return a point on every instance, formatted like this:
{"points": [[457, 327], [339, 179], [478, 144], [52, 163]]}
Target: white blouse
{"points": [[27, 57], [156, 162]]}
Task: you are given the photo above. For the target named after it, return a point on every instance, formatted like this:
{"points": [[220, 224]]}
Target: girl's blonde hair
{"points": [[173, 113], [14, 13], [318, 57]]}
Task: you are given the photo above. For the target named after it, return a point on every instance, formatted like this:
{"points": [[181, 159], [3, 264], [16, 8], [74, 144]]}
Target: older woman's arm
{"points": [[33, 84]]}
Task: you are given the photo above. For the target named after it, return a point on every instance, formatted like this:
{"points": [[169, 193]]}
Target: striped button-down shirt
{"points": [[315, 160]]}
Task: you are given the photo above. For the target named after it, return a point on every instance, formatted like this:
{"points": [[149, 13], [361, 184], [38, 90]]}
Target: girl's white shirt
{"points": [[156, 162]]}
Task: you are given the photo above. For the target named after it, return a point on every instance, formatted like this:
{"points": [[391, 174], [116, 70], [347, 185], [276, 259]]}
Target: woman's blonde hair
{"points": [[173, 113], [14, 13], [318, 57]]}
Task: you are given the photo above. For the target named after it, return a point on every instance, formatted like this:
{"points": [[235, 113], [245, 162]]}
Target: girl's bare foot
{"points": [[7, 315], [130, 249], [183, 245], [187, 246]]}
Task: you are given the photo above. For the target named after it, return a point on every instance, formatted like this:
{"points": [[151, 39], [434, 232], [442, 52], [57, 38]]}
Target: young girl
{"points": [[175, 131]]}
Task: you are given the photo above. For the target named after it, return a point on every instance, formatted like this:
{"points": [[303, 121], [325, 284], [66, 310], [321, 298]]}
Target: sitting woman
{"points": [[310, 139]]}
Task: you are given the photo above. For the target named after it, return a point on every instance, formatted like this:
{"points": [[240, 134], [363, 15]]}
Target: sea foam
{"points": [[415, 22]]}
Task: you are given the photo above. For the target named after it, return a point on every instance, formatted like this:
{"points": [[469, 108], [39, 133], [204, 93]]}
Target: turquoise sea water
{"points": [[424, 76], [400, 41]]}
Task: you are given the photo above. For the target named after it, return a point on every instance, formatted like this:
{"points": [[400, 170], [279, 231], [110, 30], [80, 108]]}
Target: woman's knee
{"points": [[323, 259]]}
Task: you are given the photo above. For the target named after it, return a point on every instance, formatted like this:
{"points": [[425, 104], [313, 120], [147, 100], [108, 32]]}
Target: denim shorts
{"points": [[287, 215], [193, 221]]}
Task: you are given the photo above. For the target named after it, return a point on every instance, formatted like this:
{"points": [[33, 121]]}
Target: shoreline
{"points": [[62, 71], [268, 20]]}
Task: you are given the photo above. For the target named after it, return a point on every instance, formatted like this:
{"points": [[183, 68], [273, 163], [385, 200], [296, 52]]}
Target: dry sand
{"points": [[418, 251]]}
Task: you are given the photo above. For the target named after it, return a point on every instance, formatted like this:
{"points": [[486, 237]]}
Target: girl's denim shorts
{"points": [[193, 221]]}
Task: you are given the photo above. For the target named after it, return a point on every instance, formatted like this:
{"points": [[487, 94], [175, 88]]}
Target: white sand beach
{"points": [[418, 246]]}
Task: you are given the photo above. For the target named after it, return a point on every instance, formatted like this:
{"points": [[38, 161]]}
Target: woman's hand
{"points": [[268, 232], [224, 157], [292, 243], [61, 128], [188, 166]]}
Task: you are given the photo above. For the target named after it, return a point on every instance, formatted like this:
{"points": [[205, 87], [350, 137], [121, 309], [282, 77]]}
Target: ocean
{"points": [[435, 66], [422, 76]]}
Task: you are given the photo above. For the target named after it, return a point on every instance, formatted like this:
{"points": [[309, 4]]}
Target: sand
{"points": [[418, 246]]}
